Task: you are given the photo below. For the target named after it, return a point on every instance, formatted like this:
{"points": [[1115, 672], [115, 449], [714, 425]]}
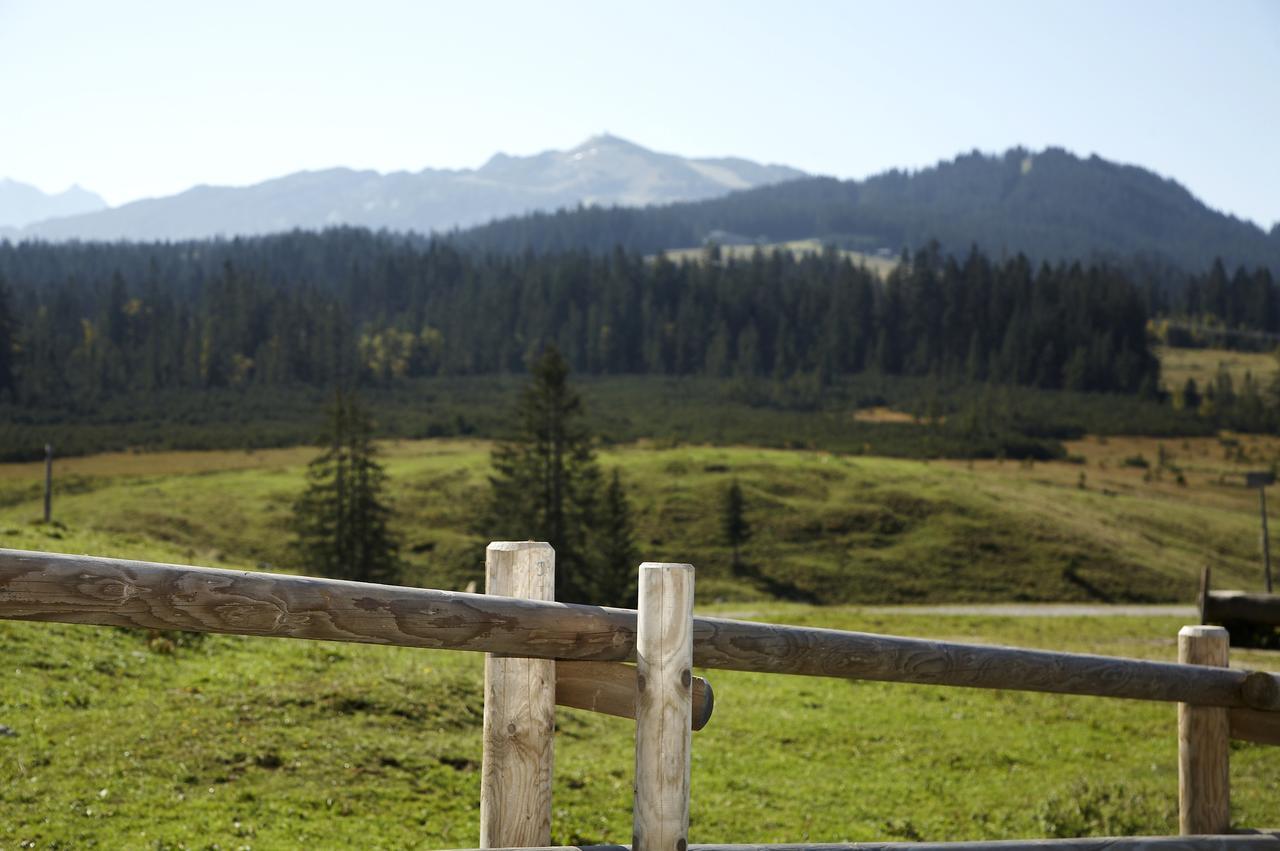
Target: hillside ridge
{"points": [[1050, 205]]}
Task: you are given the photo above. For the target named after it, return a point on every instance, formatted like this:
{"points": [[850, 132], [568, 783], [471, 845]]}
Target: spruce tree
{"points": [[545, 478], [341, 520], [1190, 395], [737, 531], [614, 579]]}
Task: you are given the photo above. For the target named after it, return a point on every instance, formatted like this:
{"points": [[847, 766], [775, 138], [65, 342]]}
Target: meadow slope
{"points": [[827, 528]]}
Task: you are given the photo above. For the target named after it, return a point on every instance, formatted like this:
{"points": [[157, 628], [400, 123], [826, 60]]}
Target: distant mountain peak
{"points": [[608, 140], [21, 203], [605, 170]]}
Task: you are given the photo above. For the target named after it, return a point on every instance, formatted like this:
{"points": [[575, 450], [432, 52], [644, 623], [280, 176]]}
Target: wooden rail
{"points": [[1250, 725], [1237, 607], [610, 688], [113, 592], [1227, 607]]}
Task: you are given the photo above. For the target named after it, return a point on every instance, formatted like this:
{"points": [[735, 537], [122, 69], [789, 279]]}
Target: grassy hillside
{"points": [[1177, 365], [126, 740], [828, 528]]}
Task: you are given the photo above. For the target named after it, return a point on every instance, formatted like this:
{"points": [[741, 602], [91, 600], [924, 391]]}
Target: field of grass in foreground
{"points": [[234, 742], [1121, 525], [237, 742]]}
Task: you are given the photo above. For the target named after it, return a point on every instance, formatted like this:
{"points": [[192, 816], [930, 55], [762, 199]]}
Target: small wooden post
{"points": [[1204, 778], [48, 482], [519, 712], [1266, 540], [1260, 479], [664, 705]]}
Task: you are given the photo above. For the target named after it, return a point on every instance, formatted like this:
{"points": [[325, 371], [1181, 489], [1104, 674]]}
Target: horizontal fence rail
{"points": [[115, 592], [610, 688], [1240, 607]]}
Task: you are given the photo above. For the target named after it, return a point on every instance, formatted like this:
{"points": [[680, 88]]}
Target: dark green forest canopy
{"points": [[89, 321], [1245, 300]]}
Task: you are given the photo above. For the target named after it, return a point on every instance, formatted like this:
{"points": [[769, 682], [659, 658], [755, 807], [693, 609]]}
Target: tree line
{"points": [[353, 307], [1214, 307]]}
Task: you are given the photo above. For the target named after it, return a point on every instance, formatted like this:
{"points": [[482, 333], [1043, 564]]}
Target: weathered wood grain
{"points": [[519, 711], [664, 707], [610, 688], [1204, 776], [1250, 725], [82, 589], [1259, 842]]}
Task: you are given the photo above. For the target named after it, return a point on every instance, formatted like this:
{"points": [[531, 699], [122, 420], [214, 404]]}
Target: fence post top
{"points": [[517, 546], [662, 565], [1203, 631]]}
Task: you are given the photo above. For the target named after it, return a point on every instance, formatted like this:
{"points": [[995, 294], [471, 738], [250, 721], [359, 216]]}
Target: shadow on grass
{"points": [[778, 588]]}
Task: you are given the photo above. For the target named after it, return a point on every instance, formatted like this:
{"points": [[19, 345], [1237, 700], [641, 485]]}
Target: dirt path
{"points": [[1024, 610], [1048, 610]]}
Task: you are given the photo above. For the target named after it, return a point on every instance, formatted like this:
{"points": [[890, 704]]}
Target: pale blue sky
{"points": [[134, 99]]}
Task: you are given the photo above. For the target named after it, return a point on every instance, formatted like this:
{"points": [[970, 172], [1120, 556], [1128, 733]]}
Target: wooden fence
{"points": [[543, 653]]}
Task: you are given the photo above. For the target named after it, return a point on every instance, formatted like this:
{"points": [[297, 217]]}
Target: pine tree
{"points": [[341, 520], [1190, 395], [614, 580], [737, 531], [545, 479]]}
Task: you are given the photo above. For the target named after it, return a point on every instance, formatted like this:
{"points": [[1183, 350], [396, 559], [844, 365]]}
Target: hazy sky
{"points": [[134, 99]]}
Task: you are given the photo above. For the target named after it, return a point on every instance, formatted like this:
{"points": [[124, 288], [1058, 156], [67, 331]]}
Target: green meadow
{"points": [[125, 739], [231, 742], [827, 528]]}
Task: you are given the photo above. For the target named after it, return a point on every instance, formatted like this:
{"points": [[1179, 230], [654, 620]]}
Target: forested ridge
{"points": [[1049, 205], [87, 321]]}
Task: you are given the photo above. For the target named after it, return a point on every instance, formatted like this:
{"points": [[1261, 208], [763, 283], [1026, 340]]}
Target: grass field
{"points": [[1177, 365], [880, 266], [265, 743], [1134, 519], [234, 742]]}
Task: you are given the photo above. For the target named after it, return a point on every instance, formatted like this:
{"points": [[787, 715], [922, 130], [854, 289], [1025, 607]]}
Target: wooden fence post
{"points": [[664, 705], [1204, 777], [519, 712]]}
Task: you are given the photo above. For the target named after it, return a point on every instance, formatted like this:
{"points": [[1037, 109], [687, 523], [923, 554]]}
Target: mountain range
{"points": [[1050, 205], [21, 204], [604, 170]]}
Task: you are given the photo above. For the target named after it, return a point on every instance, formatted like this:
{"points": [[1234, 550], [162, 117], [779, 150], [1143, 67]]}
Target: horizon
{"points": [[1183, 91], [1265, 227]]}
